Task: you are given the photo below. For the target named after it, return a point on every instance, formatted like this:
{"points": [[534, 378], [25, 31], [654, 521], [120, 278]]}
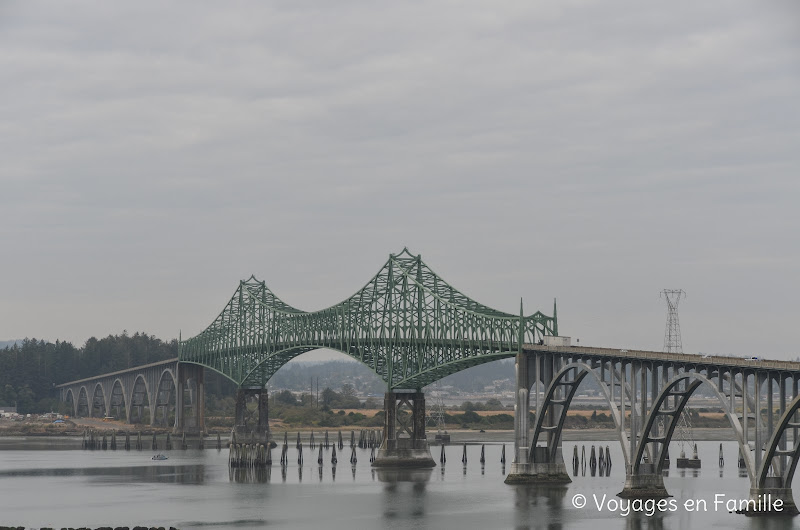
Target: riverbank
{"points": [[457, 436], [578, 435]]}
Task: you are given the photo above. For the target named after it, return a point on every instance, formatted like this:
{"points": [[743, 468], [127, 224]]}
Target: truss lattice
{"points": [[407, 324]]}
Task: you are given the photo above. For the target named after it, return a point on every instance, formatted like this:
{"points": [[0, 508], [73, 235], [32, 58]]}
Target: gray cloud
{"points": [[592, 151]]}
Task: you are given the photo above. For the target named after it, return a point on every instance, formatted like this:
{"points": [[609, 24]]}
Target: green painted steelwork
{"points": [[407, 324]]}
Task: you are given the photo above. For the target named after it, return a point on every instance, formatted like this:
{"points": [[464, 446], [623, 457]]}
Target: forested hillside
{"points": [[30, 369]]}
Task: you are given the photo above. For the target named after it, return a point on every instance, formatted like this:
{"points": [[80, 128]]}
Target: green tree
{"points": [[471, 416], [494, 404], [285, 397], [10, 395], [25, 400], [328, 397]]}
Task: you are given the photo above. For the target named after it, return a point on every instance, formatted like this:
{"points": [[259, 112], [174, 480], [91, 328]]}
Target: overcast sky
{"points": [[155, 154]]}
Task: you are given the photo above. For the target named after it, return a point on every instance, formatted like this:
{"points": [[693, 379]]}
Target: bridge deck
{"points": [[716, 360], [119, 372]]}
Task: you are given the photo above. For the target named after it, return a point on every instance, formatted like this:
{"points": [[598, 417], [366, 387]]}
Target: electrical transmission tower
{"points": [[435, 413], [673, 344], [672, 333]]}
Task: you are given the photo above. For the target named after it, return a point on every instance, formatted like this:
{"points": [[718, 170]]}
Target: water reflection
{"points": [[640, 521], [250, 475], [171, 474], [771, 523], [404, 493], [393, 476], [395, 498], [531, 500]]}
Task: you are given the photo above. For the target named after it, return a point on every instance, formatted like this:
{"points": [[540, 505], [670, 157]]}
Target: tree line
{"points": [[30, 369]]}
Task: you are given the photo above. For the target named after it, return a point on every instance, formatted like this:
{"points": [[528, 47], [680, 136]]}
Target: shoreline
{"points": [[456, 435]]}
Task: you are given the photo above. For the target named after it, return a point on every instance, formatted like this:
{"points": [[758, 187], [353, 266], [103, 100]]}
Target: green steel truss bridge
{"points": [[406, 324]]}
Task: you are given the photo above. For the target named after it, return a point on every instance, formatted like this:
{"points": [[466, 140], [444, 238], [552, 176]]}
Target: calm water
{"points": [[53, 487]]}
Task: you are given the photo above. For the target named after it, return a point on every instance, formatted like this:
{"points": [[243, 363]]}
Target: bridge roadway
{"points": [[685, 358], [119, 373]]}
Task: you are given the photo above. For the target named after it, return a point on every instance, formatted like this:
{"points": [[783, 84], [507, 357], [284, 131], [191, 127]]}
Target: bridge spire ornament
{"points": [[555, 318]]}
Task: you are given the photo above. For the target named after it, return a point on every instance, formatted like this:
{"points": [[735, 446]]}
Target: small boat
{"points": [[160, 457]]}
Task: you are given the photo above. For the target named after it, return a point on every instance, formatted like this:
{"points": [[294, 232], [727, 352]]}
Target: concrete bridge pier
{"points": [[646, 484], [404, 442], [252, 429], [189, 399], [763, 499], [535, 465]]}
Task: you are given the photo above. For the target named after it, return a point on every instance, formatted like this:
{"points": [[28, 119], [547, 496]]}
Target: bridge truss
{"points": [[406, 324]]}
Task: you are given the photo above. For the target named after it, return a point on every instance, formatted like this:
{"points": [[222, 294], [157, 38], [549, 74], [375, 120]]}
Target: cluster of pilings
{"points": [[260, 455], [253, 462], [249, 455], [693, 463], [93, 440], [465, 459], [102, 440], [368, 439], [599, 461]]}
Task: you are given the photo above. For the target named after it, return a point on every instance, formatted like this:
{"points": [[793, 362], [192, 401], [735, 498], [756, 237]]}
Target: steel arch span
{"points": [[406, 324]]}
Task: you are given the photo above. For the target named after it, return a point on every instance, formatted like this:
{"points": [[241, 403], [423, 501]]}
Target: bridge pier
{"points": [[189, 409], [534, 465], [258, 428], [647, 484], [404, 442], [763, 499]]}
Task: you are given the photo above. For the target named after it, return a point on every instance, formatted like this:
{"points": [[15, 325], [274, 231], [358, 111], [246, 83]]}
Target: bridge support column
{"points": [[404, 442], [190, 414], [263, 414], [256, 429], [647, 484], [763, 499], [534, 465], [520, 466]]}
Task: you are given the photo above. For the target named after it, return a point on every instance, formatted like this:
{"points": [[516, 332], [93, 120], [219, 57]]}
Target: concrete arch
{"points": [[133, 394], [143, 379], [786, 421], [581, 370], [83, 398], [161, 401], [102, 392], [69, 397], [111, 404], [690, 381]]}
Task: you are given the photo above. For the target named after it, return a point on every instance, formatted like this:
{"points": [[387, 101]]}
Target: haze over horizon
{"points": [[597, 153]]}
